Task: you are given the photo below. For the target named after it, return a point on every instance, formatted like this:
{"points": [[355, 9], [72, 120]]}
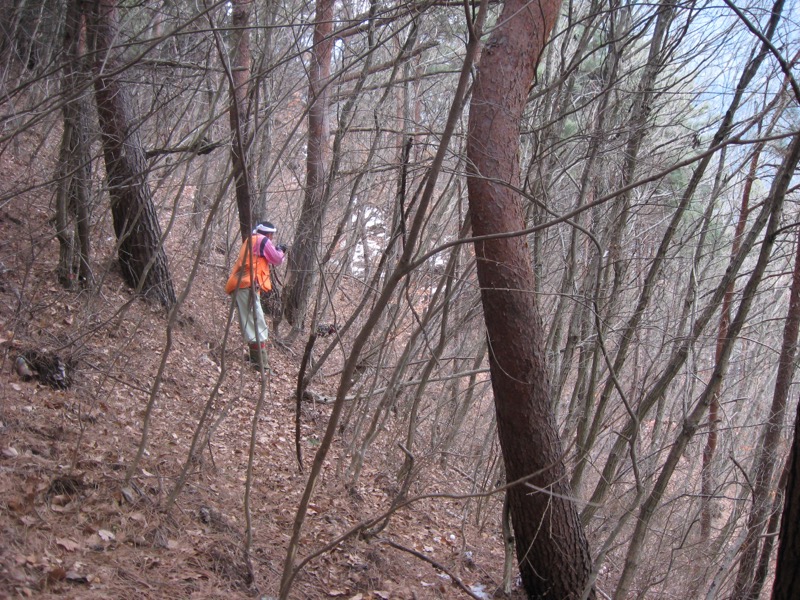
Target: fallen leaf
{"points": [[106, 535], [61, 509], [336, 593], [68, 544], [18, 575], [10, 452], [381, 594]]}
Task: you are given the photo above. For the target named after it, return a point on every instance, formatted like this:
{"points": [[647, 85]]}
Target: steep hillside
{"points": [[77, 523]]}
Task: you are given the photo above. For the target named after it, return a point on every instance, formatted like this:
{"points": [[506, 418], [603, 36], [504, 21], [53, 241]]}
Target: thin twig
{"points": [[744, 472]]}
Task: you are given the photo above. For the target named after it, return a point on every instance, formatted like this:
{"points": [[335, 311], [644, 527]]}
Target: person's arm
{"points": [[270, 252]]}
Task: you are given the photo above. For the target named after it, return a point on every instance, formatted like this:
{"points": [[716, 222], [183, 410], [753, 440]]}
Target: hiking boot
{"points": [[258, 355]]}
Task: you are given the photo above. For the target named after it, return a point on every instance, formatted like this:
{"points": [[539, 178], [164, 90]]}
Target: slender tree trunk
{"points": [[239, 77], [771, 534], [707, 474], [551, 547], [303, 257], [444, 288], [648, 288], [709, 450], [692, 421], [140, 248], [403, 268], [595, 145], [73, 198], [762, 479], [787, 568], [640, 112]]}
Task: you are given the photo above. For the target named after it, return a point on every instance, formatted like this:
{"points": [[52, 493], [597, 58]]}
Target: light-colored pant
{"points": [[251, 317]]}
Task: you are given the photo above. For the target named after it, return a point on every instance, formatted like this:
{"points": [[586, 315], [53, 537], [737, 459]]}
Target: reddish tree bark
{"points": [[707, 474], [303, 257], [551, 546], [140, 249]]}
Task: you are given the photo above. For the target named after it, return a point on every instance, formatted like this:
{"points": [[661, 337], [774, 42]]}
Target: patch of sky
{"points": [[721, 45]]}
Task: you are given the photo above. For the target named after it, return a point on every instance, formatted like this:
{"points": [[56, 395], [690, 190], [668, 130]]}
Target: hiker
{"points": [[247, 280]]}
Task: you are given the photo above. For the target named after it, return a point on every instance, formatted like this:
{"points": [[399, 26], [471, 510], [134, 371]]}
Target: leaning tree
{"points": [[139, 239], [552, 550]]}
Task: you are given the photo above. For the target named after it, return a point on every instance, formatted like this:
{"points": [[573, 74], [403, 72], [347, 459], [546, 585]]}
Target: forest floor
{"points": [[77, 524]]}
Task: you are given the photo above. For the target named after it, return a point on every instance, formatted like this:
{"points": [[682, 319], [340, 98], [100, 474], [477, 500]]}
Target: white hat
{"points": [[265, 227]]}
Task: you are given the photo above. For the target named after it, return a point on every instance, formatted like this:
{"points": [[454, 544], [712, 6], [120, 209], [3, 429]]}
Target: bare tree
{"points": [[404, 266], [552, 550], [691, 422], [239, 79], [633, 167], [787, 568], [74, 177], [140, 246], [707, 477], [769, 453], [303, 256]]}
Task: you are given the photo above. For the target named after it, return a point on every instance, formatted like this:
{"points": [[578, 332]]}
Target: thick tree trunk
{"points": [[551, 547], [303, 257], [140, 249]]}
